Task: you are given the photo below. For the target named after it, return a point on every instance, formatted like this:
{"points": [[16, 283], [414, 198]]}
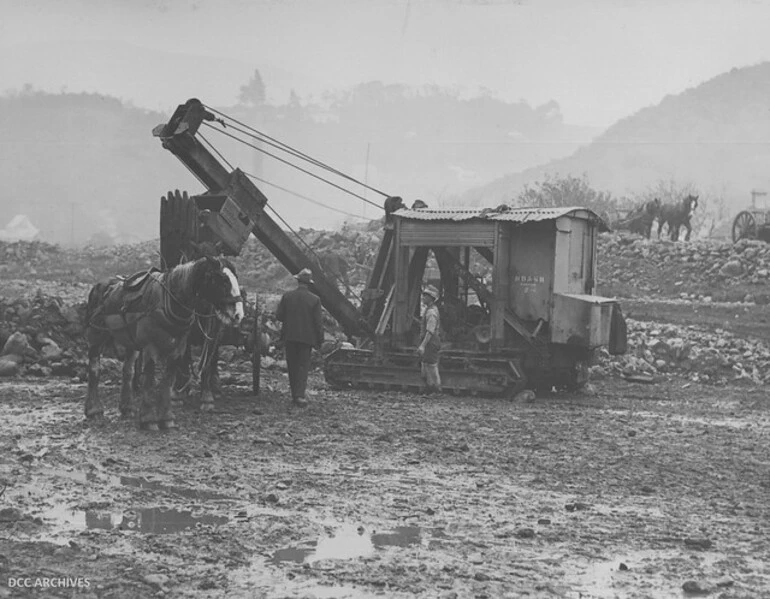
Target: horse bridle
{"points": [[234, 300]]}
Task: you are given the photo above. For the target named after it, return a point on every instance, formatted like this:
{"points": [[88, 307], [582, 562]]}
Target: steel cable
{"points": [[303, 197], [261, 136], [310, 249], [291, 164], [284, 189]]}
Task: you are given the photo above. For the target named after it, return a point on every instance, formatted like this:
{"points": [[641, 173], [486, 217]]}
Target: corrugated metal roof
{"points": [[517, 215]]}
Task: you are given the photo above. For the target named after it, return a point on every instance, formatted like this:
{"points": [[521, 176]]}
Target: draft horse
{"points": [[207, 334], [677, 216], [153, 313], [640, 221]]}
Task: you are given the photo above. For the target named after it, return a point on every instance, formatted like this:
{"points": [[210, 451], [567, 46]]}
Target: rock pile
{"points": [[36, 259], [26, 256], [703, 269], [40, 336], [346, 256], [696, 271], [701, 355], [699, 269]]}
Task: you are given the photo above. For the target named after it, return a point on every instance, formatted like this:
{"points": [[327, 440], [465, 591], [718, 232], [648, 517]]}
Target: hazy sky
{"points": [[601, 60]]}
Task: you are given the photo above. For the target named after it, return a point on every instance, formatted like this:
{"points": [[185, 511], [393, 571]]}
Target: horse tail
{"points": [[95, 302]]}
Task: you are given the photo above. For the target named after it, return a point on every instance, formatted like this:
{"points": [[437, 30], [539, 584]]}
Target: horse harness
{"points": [[134, 288]]}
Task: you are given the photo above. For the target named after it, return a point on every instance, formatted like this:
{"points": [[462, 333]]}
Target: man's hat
{"points": [[431, 291], [304, 276]]}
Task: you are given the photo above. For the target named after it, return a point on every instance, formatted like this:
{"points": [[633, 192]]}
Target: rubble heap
{"points": [[36, 259], [346, 255], [699, 354], [631, 265], [41, 336]]}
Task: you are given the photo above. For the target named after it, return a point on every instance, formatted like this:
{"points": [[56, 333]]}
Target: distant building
{"points": [[19, 229]]}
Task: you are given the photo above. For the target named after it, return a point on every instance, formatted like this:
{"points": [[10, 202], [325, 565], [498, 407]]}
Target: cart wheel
{"points": [[744, 226], [256, 352]]}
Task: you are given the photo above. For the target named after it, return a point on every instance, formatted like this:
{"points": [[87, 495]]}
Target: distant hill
{"points": [[714, 137], [81, 166]]}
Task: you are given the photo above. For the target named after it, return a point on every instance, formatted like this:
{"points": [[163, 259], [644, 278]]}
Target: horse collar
{"points": [[168, 310]]}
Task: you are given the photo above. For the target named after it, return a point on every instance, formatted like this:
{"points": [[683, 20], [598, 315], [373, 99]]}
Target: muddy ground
{"points": [[627, 490]]}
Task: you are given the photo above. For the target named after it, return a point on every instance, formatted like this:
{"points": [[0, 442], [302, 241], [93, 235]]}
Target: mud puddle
{"points": [[156, 520], [349, 542], [345, 543], [65, 517]]}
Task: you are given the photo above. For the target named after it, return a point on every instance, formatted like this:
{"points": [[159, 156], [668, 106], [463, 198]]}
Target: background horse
{"points": [[153, 313], [641, 220], [678, 215]]}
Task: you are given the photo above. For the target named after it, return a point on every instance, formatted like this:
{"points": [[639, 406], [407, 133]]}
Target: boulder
{"points": [[679, 349], [10, 365], [17, 344], [732, 268], [660, 349], [50, 351]]}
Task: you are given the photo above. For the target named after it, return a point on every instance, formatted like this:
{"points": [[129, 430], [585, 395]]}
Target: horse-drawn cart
{"points": [[753, 223]]}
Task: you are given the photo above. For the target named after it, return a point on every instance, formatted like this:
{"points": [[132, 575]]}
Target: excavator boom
{"points": [[179, 137]]}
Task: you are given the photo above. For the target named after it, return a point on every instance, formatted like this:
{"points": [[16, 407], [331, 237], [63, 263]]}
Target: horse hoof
{"points": [[167, 425], [148, 426]]}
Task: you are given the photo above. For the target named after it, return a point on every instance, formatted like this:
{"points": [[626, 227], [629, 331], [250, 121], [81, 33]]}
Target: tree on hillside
{"points": [[566, 191], [294, 110], [668, 191], [253, 92]]}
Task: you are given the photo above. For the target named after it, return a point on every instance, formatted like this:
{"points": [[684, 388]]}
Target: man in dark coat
{"points": [[300, 312]]}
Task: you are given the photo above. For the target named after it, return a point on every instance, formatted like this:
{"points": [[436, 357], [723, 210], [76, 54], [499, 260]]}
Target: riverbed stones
{"points": [[525, 533], [11, 514], [693, 588], [10, 365], [732, 268], [700, 544], [156, 580]]}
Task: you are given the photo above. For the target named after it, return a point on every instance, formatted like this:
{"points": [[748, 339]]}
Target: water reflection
{"points": [[349, 542], [149, 520]]}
